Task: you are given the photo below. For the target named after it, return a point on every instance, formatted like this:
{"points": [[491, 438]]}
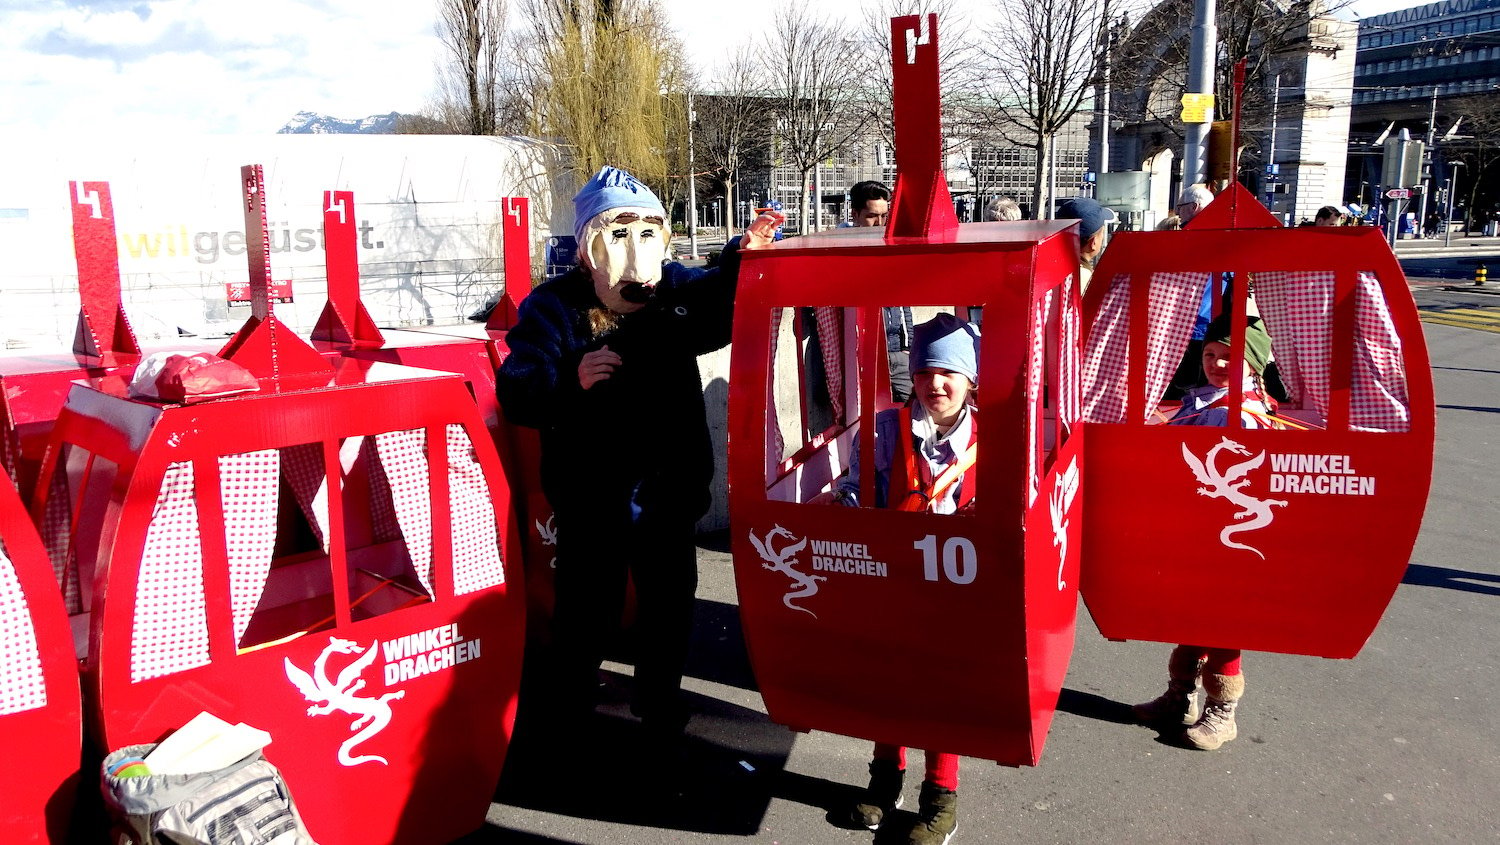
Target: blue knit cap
{"points": [[610, 188], [1091, 216], [947, 343]]}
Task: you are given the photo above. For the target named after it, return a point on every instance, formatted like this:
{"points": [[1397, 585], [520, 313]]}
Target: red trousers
{"points": [[942, 769], [1219, 661]]}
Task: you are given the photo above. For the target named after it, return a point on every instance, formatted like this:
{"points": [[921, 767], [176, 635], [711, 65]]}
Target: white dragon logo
{"points": [[327, 696], [803, 585], [1061, 502], [548, 533], [1229, 485]]}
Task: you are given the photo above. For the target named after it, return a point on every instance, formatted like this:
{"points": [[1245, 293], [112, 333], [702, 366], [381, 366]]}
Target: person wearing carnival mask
{"points": [[603, 361]]}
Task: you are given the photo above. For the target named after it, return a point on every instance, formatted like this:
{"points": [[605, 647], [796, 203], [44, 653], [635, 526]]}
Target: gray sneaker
{"points": [[881, 796]]}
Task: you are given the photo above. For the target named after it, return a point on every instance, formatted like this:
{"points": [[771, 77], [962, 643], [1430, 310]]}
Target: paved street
{"points": [[1399, 745]]}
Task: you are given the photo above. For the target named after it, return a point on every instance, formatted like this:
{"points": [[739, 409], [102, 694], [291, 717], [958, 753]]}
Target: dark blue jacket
{"points": [[636, 444]]}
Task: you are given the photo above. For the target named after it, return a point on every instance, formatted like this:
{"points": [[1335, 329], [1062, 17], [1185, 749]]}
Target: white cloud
{"points": [[205, 66], [209, 66]]}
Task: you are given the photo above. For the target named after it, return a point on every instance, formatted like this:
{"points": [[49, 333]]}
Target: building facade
{"points": [[1293, 127], [1433, 71]]}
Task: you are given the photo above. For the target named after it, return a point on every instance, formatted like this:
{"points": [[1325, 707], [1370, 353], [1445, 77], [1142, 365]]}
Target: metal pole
{"points": [[1449, 185], [1271, 156], [1395, 222], [1204, 42], [692, 187], [1427, 159], [817, 203], [1109, 41], [1051, 175]]}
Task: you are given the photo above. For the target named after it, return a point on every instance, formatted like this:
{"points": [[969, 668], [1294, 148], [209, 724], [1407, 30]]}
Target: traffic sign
{"points": [[1398, 194]]}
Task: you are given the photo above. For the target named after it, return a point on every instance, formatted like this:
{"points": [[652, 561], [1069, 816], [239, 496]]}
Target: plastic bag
{"points": [[184, 378], [246, 803]]}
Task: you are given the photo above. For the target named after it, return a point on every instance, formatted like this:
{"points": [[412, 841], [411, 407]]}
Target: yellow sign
{"points": [[1197, 108]]}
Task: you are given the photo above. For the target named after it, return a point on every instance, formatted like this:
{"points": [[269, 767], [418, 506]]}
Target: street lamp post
{"points": [[692, 185], [1452, 189]]}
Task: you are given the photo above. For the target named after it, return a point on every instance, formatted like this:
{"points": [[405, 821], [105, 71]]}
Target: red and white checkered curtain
{"points": [[775, 442], [830, 320], [1040, 310], [22, 684], [1298, 309], [1173, 308], [249, 493], [10, 451], [476, 546], [1069, 368], [170, 628], [1380, 401], [403, 459], [302, 465]]}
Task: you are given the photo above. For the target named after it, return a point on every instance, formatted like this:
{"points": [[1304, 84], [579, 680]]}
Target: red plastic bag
{"points": [[185, 379]]}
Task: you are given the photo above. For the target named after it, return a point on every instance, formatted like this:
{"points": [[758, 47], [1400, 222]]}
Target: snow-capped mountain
{"points": [[312, 123]]}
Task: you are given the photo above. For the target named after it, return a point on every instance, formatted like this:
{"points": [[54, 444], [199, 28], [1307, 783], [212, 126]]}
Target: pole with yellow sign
{"points": [[1200, 113]]}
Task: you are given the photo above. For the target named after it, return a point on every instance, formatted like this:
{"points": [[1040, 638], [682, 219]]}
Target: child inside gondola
{"points": [[934, 466], [1207, 404], [1219, 668], [924, 452]]}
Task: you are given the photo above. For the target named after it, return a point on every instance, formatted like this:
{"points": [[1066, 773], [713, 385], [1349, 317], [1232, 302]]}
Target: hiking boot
{"points": [[937, 816], [1179, 704], [881, 796], [1216, 726]]}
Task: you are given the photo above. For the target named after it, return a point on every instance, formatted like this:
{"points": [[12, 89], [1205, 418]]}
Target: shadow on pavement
{"points": [[1452, 579], [495, 835], [716, 781], [1481, 409], [1097, 707], [718, 653], [833, 798], [1466, 370], [714, 541]]}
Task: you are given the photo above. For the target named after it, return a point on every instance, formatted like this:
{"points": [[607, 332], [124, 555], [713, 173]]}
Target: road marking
{"points": [[1484, 319]]}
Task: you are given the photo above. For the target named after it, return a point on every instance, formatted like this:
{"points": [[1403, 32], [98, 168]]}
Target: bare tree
{"points": [[474, 96], [678, 77], [819, 105], [732, 126], [1478, 149], [1150, 69], [1043, 60]]}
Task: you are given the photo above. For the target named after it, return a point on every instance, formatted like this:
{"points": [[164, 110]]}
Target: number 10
{"points": [[960, 561]]}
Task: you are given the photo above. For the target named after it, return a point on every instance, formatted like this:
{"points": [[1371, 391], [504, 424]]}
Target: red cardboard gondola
{"points": [[40, 714], [841, 606], [1289, 538], [324, 558], [473, 351], [32, 387]]}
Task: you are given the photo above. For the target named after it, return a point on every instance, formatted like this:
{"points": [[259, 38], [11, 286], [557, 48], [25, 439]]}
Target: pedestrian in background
{"points": [[870, 205]]}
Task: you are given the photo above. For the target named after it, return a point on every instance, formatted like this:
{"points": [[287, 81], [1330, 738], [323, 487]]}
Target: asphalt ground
{"points": [[1399, 745]]}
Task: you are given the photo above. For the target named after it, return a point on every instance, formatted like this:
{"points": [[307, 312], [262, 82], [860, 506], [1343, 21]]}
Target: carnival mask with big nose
{"points": [[624, 252], [622, 238]]}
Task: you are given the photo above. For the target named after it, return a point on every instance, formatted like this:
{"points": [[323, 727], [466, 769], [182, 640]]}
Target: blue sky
{"points": [[108, 68]]}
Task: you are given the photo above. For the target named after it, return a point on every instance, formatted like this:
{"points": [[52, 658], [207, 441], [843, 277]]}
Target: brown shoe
{"points": [[937, 816], [1216, 726], [1179, 704]]}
